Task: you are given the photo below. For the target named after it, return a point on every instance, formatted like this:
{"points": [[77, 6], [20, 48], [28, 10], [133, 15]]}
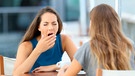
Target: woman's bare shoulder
{"points": [[65, 37], [25, 46], [64, 40]]}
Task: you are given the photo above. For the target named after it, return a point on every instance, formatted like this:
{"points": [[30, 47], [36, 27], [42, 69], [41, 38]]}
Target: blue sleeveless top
{"points": [[51, 56]]}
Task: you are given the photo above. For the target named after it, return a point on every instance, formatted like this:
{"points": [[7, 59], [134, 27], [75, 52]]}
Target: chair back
{"points": [[1, 65], [102, 72]]}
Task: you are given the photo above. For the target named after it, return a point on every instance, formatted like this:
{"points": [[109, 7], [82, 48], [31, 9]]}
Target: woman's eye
{"points": [[54, 24], [45, 24]]}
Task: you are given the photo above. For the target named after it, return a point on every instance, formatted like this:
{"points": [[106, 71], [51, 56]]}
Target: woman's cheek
{"points": [[44, 32]]}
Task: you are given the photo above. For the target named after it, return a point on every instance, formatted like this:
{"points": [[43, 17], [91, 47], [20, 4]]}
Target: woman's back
{"points": [[89, 63]]}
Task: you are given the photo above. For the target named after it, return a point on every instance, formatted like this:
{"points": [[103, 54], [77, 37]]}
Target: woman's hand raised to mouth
{"points": [[46, 43]]}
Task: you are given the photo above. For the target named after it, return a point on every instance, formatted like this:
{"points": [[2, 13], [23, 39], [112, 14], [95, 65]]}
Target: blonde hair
{"points": [[108, 44]]}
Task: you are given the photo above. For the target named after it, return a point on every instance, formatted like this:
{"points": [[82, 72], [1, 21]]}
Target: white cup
{"points": [[62, 63]]}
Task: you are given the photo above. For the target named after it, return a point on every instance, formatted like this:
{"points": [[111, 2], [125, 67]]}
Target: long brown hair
{"points": [[33, 28], [108, 44]]}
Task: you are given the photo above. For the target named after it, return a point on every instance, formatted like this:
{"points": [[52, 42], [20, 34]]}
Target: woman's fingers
{"points": [[65, 67], [62, 70], [48, 38], [35, 69], [51, 41], [39, 69], [46, 43]]}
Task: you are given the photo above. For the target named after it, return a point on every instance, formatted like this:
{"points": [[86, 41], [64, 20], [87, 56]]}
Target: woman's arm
{"points": [[25, 58], [68, 46], [72, 70]]}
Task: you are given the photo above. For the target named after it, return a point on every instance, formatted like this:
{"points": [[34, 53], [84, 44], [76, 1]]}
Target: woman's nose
{"points": [[50, 28]]}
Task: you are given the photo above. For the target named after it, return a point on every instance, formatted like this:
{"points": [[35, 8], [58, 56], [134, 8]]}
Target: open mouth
{"points": [[50, 34]]}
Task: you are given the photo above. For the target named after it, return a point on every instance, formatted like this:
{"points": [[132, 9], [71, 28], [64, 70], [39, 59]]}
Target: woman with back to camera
{"points": [[42, 45], [108, 47]]}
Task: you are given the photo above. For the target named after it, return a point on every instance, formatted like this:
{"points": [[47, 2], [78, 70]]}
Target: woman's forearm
{"points": [[27, 64]]}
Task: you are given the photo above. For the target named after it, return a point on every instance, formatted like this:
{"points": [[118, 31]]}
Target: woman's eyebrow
{"points": [[45, 22], [54, 22]]}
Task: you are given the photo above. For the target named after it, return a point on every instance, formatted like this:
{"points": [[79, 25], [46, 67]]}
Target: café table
{"points": [[43, 74]]}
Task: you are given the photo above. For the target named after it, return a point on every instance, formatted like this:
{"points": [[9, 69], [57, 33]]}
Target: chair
{"points": [[102, 72], [1, 65]]}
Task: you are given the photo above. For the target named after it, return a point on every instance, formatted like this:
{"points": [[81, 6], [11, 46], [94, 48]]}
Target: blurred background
{"points": [[16, 16]]}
